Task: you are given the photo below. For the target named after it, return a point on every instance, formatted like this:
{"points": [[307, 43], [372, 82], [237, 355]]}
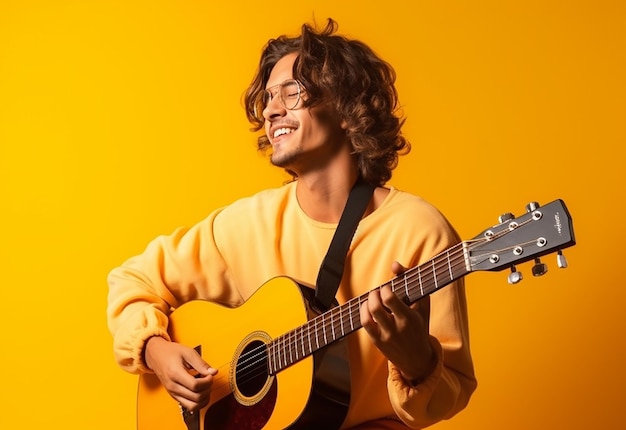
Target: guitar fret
{"points": [[299, 338], [288, 345], [317, 335], [419, 280], [309, 336], [296, 350], [296, 345], [332, 326], [280, 351], [355, 318], [351, 319], [309, 329], [395, 289], [406, 288], [324, 330], [435, 275], [341, 321], [449, 265], [277, 355], [287, 350]]}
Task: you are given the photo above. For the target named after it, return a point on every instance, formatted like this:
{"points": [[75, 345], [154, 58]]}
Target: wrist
{"points": [[427, 368], [148, 346]]}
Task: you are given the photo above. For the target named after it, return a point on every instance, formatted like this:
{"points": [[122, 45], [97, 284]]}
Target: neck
{"points": [[323, 197]]}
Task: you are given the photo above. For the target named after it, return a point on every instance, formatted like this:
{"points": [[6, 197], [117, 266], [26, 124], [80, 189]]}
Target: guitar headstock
{"points": [[541, 230]]}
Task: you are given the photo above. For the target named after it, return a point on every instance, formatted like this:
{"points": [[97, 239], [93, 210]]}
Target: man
{"points": [[327, 106]]}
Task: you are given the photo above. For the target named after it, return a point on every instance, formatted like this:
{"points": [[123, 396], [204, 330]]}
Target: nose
{"points": [[274, 109]]}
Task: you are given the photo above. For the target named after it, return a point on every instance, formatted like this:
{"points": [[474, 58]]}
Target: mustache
{"points": [[285, 122]]}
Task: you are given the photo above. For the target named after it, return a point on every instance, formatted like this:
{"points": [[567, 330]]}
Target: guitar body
{"points": [[313, 393]]}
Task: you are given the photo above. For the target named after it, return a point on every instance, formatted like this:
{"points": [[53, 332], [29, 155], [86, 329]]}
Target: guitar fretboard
{"points": [[338, 322]]}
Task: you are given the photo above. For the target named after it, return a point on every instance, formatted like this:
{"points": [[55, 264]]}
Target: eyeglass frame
{"points": [[267, 95]]}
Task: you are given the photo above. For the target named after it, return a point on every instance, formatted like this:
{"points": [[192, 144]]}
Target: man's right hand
{"points": [[181, 370]]}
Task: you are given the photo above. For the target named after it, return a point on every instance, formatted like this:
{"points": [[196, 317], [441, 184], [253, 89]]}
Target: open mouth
{"points": [[282, 132]]}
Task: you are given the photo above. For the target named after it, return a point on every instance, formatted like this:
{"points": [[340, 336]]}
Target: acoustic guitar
{"points": [[284, 366]]}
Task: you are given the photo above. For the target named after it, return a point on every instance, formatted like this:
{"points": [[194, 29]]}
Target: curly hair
{"points": [[348, 74]]}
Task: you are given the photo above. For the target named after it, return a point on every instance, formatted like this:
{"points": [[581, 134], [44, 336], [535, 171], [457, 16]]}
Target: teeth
{"points": [[281, 131]]}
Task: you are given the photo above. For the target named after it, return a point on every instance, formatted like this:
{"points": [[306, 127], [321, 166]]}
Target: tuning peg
{"points": [[539, 268], [507, 216], [532, 206], [560, 260], [514, 276]]}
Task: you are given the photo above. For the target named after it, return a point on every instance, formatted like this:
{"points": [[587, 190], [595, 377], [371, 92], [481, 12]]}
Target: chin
{"points": [[281, 159]]}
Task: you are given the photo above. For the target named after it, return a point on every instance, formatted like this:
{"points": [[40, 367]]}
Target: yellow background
{"points": [[121, 120]]}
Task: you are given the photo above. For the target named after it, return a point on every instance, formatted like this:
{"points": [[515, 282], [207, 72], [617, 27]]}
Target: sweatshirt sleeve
{"points": [[145, 289], [447, 390]]}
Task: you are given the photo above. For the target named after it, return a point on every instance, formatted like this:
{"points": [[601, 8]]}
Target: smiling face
{"points": [[302, 139]]}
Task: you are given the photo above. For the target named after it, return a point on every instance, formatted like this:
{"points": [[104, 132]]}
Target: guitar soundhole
{"points": [[251, 375], [254, 396]]}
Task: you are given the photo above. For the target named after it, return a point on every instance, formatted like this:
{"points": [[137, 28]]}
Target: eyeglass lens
{"points": [[288, 93]]}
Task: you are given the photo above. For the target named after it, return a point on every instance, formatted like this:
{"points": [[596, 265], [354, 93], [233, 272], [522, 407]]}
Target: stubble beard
{"points": [[285, 159]]}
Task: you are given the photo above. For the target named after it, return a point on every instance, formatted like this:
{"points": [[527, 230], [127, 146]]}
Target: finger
{"points": [[367, 320], [191, 404], [196, 385], [195, 380], [392, 302], [422, 307], [398, 268], [196, 364], [193, 393], [380, 313]]}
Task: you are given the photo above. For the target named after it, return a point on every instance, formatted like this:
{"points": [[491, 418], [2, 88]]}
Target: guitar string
{"points": [[290, 340], [291, 343], [452, 259], [250, 361], [249, 369]]}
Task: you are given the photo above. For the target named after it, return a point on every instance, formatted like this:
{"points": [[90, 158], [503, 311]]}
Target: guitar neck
{"points": [[340, 321]]}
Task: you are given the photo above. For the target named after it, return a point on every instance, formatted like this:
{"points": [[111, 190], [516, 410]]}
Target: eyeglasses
{"points": [[288, 93]]}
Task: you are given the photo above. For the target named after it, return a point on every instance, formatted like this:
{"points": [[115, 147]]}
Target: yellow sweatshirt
{"points": [[226, 257]]}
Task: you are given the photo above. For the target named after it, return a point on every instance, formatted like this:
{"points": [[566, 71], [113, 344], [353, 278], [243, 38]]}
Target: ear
{"points": [[343, 124]]}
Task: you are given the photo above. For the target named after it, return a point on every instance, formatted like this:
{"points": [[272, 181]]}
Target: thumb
{"points": [[196, 365], [397, 268]]}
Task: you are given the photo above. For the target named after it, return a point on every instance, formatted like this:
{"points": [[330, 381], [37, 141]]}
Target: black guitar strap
{"points": [[331, 270]]}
